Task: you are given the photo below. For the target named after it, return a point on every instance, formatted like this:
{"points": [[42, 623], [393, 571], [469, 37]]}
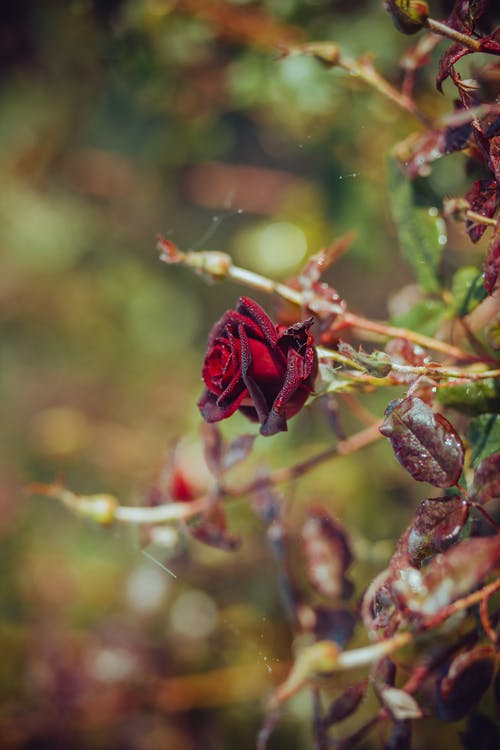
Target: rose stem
{"points": [[438, 27], [256, 281]]}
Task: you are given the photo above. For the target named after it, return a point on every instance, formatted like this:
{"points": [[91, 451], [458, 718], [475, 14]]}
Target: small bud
{"points": [[408, 16]]}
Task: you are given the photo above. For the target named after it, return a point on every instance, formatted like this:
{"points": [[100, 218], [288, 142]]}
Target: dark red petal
{"points": [[213, 411], [255, 313], [258, 398]]}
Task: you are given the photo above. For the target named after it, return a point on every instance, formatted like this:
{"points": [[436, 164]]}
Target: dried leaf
{"points": [[213, 446], [447, 577], [486, 484], [327, 554], [448, 59], [469, 676], [436, 526], [399, 705], [237, 451], [346, 704], [424, 442], [211, 529]]}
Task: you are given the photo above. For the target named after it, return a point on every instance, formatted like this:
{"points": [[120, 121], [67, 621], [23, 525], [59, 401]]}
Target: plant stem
{"points": [[365, 70], [389, 331], [438, 27], [480, 219], [343, 448], [161, 513]]}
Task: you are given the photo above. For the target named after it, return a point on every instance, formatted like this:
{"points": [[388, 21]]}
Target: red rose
{"points": [[265, 371]]}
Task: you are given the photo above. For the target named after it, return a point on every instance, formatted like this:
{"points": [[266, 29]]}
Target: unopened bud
{"points": [[408, 16]]}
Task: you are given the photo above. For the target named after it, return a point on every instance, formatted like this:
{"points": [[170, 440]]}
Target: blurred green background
{"points": [[121, 119]]}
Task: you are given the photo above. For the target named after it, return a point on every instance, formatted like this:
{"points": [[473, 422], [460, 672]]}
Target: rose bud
{"points": [[263, 370]]}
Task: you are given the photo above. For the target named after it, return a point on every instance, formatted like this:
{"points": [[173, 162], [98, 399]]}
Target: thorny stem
{"points": [[417, 338], [343, 448], [224, 268], [365, 70], [438, 27], [433, 371], [331, 55]]}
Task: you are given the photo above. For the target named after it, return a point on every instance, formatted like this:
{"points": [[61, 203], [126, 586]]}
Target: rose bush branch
{"points": [[218, 266], [324, 659]]}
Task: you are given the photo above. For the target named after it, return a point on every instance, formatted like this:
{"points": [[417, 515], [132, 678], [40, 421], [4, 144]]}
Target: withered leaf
{"points": [[346, 704], [424, 442], [437, 524], [399, 705], [327, 553], [469, 676], [211, 529], [448, 59], [486, 484], [447, 577]]}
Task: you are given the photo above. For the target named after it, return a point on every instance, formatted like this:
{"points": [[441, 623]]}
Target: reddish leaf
{"points": [[437, 525], [495, 157], [346, 704], [492, 260], [483, 199], [424, 442], [214, 447], [469, 676], [237, 451], [448, 576], [466, 13], [451, 56], [490, 43], [486, 484], [327, 554], [378, 607], [406, 353], [211, 529]]}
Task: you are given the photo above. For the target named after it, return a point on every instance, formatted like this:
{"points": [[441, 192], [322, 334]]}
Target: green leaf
{"points": [[421, 230], [481, 397], [484, 437], [467, 289], [424, 317]]}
